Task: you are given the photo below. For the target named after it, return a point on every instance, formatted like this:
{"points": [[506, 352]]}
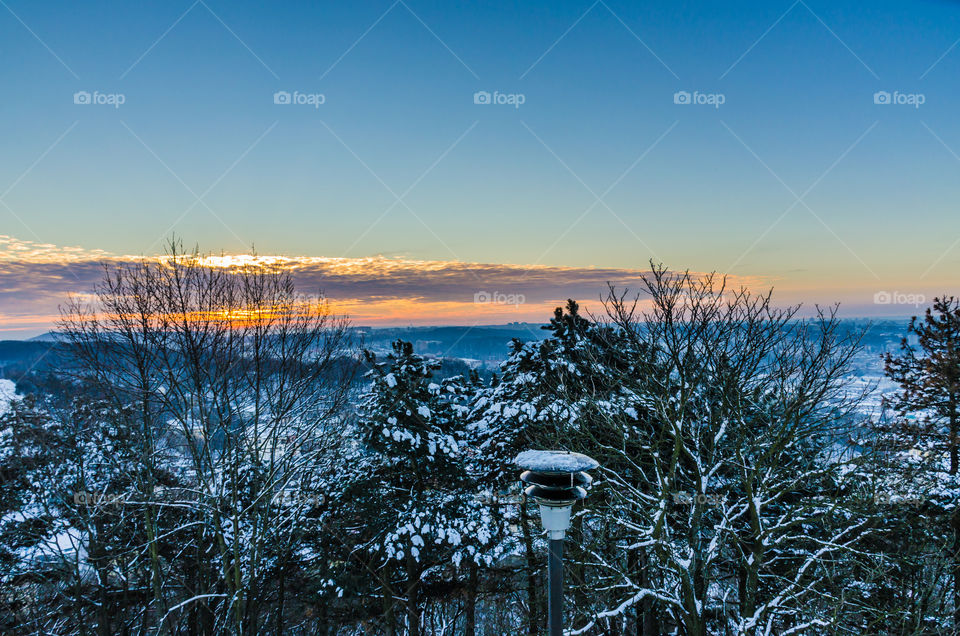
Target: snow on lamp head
{"points": [[556, 481]]}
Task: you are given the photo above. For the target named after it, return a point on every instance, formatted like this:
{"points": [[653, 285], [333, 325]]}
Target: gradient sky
{"points": [[798, 180]]}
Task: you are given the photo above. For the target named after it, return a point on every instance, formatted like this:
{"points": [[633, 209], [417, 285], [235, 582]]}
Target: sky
{"points": [[534, 150]]}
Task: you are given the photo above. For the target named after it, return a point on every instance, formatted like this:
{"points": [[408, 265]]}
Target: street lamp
{"points": [[556, 481]]}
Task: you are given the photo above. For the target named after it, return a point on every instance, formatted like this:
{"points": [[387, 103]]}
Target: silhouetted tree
{"points": [[928, 373]]}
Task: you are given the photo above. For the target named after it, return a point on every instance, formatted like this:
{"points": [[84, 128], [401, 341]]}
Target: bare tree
{"points": [[724, 499], [236, 382]]}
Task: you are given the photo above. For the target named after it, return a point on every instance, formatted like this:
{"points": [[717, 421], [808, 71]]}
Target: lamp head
{"points": [[557, 481]]}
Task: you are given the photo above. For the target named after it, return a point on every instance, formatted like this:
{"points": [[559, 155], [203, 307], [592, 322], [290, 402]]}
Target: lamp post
{"points": [[556, 481]]}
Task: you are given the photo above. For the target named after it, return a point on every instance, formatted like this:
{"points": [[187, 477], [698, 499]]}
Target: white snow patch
{"points": [[8, 393], [554, 461]]}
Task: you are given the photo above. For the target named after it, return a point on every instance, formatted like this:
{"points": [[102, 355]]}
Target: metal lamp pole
{"points": [[555, 598], [556, 481]]}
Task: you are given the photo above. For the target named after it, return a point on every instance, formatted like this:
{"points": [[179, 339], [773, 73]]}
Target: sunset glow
{"points": [[378, 290], [374, 290]]}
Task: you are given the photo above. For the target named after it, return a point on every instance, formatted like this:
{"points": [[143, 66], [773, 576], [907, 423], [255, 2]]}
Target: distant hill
{"points": [[21, 358], [487, 345], [479, 346], [50, 336], [28, 361]]}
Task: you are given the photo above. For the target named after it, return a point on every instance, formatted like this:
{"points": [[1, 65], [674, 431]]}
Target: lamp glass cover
{"points": [[556, 519]]}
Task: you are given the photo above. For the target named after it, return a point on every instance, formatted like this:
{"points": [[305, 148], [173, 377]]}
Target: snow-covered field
{"points": [[8, 393]]}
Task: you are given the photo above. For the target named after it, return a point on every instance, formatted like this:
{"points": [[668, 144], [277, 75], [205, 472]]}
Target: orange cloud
{"points": [[36, 278]]}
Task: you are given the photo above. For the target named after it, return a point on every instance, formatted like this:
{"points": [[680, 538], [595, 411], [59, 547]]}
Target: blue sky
{"points": [[798, 177]]}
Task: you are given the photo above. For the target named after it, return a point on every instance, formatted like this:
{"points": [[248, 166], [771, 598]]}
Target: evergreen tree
{"points": [[538, 400], [75, 525], [549, 394], [925, 438], [426, 518], [928, 373]]}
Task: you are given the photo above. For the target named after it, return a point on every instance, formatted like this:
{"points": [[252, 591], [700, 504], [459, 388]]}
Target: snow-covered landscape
{"points": [[175, 468], [541, 318]]}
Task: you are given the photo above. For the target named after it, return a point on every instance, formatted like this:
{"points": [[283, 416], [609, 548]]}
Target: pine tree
{"points": [[544, 385], [929, 376], [418, 490], [547, 396], [74, 529], [928, 373]]}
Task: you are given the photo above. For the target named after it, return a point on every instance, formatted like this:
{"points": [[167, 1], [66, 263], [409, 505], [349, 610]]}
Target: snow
{"points": [[8, 393], [543, 461]]}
